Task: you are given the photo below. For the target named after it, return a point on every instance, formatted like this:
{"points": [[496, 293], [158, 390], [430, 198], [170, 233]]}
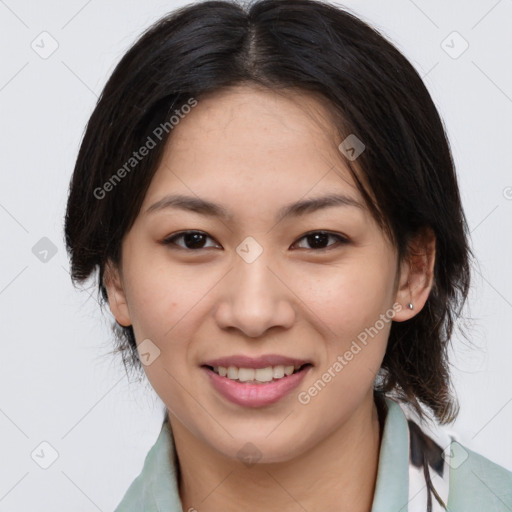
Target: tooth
{"points": [[245, 374], [233, 372], [278, 371], [255, 375], [264, 374]]}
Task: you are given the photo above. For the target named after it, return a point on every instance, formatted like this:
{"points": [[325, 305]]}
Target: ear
{"points": [[416, 275], [113, 283]]}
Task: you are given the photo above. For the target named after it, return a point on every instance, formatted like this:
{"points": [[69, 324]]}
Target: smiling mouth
{"points": [[257, 375]]}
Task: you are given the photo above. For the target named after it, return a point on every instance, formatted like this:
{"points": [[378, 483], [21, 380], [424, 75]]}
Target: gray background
{"points": [[58, 383]]}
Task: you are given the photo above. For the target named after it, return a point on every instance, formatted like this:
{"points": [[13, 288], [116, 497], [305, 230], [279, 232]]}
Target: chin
{"points": [[260, 450]]}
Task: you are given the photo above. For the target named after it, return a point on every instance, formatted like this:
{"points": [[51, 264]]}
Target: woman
{"points": [[270, 199]]}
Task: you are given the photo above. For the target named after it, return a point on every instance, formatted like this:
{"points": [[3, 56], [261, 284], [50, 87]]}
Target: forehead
{"points": [[251, 122], [247, 136]]}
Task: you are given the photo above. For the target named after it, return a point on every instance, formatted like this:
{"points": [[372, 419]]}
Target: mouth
{"points": [[255, 387], [263, 375]]}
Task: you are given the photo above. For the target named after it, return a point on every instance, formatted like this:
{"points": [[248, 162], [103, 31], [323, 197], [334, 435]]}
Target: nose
{"points": [[255, 297]]}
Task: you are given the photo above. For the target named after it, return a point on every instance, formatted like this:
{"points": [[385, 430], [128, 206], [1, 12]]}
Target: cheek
{"points": [[355, 315], [350, 295], [352, 305], [160, 295], [164, 308]]}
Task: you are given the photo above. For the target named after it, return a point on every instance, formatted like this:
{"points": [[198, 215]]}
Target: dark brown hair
{"points": [[306, 45]]}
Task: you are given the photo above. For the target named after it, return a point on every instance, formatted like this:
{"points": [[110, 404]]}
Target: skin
{"points": [[254, 151]]}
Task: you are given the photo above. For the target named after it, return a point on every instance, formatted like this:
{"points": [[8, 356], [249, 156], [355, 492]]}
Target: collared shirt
{"points": [[410, 463]]}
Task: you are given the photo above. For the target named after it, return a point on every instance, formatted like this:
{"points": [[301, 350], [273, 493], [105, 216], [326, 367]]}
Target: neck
{"points": [[339, 473]]}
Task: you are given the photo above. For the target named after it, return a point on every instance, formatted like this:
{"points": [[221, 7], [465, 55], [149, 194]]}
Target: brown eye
{"points": [[318, 240], [192, 240]]}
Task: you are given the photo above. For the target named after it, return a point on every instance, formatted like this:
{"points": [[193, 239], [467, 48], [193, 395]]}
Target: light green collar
{"points": [[392, 488]]}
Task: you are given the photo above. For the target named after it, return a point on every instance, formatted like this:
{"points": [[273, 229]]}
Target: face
{"points": [[315, 284]]}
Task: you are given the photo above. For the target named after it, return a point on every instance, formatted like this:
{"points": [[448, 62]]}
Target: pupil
{"points": [[194, 240], [318, 237]]}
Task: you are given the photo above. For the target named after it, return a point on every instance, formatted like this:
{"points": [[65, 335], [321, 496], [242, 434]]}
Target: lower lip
{"points": [[255, 395]]}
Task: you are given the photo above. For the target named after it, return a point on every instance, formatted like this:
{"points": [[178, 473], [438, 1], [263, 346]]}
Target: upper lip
{"points": [[241, 361]]}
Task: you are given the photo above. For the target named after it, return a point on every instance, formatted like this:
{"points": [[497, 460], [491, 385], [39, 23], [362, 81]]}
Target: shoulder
{"points": [[477, 483], [156, 487], [458, 478]]}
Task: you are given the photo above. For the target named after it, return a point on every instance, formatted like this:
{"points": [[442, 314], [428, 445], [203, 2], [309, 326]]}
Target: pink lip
{"points": [[255, 395], [242, 361]]}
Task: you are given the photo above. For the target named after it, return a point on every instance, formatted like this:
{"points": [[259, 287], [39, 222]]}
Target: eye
{"points": [[318, 240], [192, 240]]}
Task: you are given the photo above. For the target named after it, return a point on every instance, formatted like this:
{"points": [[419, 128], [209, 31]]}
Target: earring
{"points": [[410, 306]]}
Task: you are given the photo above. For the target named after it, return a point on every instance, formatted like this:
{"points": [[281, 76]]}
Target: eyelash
{"points": [[171, 240]]}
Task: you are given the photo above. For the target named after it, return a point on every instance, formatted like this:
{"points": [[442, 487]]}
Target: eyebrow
{"points": [[208, 208]]}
